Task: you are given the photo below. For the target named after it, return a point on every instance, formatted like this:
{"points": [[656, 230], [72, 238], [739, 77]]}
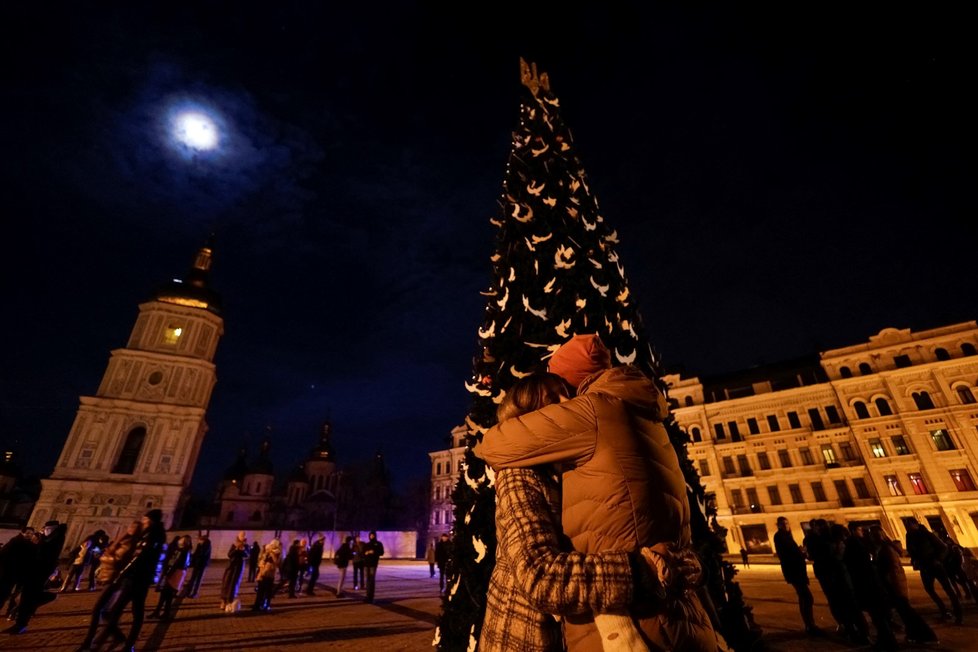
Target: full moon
{"points": [[195, 130]]}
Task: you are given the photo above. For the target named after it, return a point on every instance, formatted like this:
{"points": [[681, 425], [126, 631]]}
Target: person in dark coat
{"points": [[99, 541], [889, 568], [315, 559], [41, 566], [868, 588], [373, 550], [253, 560], [795, 573], [176, 571], [15, 559], [115, 557], [237, 558], [198, 564], [291, 567], [357, 548], [136, 579], [342, 560], [443, 553], [927, 555]]}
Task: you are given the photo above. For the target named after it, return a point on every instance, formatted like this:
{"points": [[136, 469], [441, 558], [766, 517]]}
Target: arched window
{"points": [[695, 432], [942, 354], [922, 400], [965, 395], [129, 455], [688, 400], [862, 412], [883, 406], [865, 369], [845, 372], [968, 348]]}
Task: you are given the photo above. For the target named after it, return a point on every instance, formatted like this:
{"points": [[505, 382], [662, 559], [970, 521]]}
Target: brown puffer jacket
{"points": [[624, 489]]}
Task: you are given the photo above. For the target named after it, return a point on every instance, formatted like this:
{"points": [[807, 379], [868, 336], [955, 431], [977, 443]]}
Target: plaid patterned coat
{"points": [[533, 578]]}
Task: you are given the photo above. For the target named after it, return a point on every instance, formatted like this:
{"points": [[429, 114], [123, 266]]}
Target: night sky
{"points": [[782, 180]]}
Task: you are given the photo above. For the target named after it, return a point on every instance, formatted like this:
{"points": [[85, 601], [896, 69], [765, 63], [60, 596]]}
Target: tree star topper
{"points": [[532, 80]]}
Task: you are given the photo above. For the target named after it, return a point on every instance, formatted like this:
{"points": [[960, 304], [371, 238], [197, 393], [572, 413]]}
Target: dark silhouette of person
{"points": [[795, 573], [927, 554]]}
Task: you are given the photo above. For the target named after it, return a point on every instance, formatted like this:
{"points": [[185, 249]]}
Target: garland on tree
{"points": [[555, 274]]}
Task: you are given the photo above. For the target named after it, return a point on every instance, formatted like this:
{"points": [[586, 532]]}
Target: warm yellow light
{"points": [[183, 301]]}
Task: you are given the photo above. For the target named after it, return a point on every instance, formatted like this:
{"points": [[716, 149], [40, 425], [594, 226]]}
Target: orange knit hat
{"points": [[578, 358]]}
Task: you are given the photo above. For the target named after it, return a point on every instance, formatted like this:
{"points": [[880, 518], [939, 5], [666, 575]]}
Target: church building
{"points": [[133, 445]]}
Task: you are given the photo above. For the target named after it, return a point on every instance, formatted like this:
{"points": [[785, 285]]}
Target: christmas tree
{"points": [[555, 274]]}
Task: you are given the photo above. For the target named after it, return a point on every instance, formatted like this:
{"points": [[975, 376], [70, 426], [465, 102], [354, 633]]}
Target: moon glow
{"points": [[196, 130]]}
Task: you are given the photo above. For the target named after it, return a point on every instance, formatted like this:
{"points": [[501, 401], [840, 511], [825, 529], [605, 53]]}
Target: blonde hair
{"points": [[531, 393]]}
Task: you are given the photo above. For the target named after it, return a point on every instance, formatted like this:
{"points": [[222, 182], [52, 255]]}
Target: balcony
{"points": [[741, 509]]}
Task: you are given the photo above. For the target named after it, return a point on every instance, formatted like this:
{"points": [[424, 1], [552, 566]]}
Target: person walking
{"points": [[114, 558], [443, 551], [795, 572], [41, 565], [253, 555], [357, 549], [99, 541], [373, 550], [176, 571], [271, 559], [136, 579], [199, 561], [430, 558], [927, 555], [342, 560], [291, 567], [315, 559], [744, 557], [81, 557], [231, 582], [889, 567]]}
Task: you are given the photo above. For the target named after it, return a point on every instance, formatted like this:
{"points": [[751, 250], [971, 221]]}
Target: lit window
{"points": [[962, 480], [893, 485], [942, 440], [917, 482], [172, 334], [828, 454], [877, 448], [900, 445]]}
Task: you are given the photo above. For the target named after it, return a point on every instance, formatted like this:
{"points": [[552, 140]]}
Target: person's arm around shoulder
{"points": [[553, 581], [560, 432]]}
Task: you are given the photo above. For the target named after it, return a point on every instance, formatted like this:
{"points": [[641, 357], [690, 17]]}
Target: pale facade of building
{"points": [[133, 445], [879, 432], [445, 466]]}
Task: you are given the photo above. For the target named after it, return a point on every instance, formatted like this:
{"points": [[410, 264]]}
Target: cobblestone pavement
{"points": [[403, 617]]}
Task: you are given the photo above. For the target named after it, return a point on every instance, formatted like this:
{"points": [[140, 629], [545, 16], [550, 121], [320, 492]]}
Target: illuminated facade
{"points": [[445, 465], [879, 432], [133, 445]]}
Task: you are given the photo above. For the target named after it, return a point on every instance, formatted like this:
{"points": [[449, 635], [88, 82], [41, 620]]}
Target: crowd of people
{"points": [[860, 572], [127, 568]]}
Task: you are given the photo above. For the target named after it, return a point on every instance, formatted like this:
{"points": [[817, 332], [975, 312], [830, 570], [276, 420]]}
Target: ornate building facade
{"points": [[249, 495], [445, 465], [133, 445], [875, 433]]}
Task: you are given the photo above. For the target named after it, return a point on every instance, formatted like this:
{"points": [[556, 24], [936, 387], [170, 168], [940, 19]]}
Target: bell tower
{"points": [[134, 445]]}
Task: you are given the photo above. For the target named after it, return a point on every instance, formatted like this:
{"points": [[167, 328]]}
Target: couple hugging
{"points": [[610, 559]]}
